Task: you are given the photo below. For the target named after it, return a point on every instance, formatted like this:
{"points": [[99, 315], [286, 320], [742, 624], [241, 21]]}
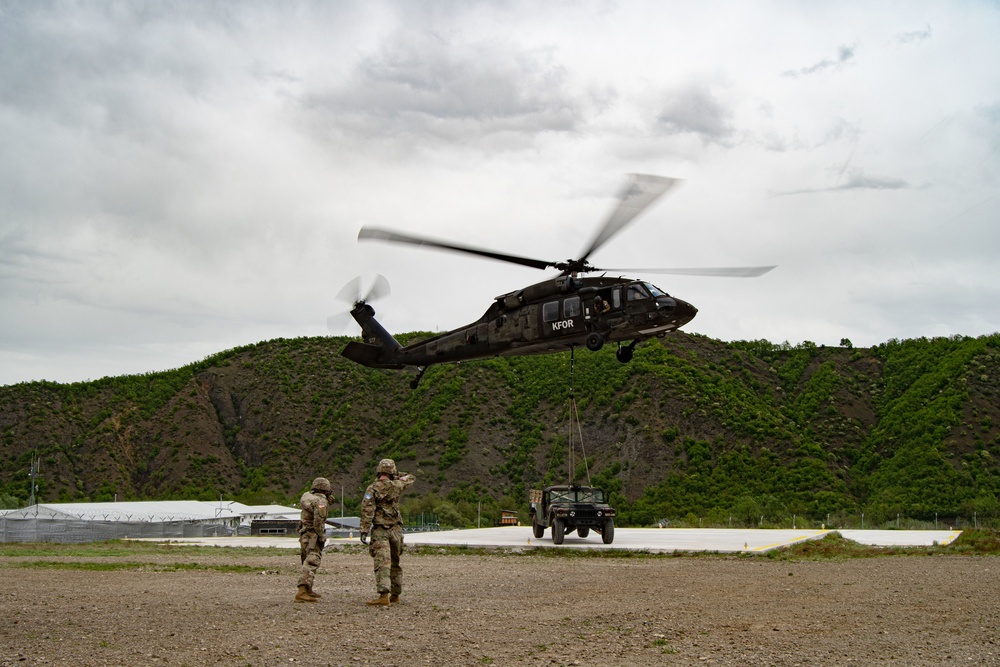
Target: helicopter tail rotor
{"points": [[353, 295]]}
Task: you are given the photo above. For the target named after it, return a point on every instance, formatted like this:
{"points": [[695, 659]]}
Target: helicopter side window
{"points": [[571, 307], [636, 292], [550, 311], [616, 299]]}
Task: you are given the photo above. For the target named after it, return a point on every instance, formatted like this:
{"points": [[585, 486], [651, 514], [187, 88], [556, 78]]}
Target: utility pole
{"points": [[32, 475]]}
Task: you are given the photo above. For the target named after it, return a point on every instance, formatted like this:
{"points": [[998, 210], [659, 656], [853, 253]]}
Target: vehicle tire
{"points": [[558, 531], [595, 341], [536, 529], [583, 531], [608, 533], [624, 354]]}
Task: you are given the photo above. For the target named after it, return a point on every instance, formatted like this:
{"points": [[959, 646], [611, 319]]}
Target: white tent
{"points": [[89, 522]]}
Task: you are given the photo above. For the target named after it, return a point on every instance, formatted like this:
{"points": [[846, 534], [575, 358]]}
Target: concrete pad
{"points": [[902, 538], [650, 540]]}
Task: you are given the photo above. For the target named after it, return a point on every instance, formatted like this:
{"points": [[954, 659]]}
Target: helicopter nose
{"points": [[675, 310], [684, 312]]}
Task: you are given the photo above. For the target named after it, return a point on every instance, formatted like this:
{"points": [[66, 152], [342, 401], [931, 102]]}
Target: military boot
{"points": [[303, 595], [314, 593], [394, 599], [381, 601]]}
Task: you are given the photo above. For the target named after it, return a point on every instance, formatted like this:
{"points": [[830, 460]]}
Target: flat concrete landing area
{"points": [[653, 540]]}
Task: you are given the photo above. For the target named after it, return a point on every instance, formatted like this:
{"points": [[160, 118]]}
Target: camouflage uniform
{"points": [[380, 518], [312, 531]]}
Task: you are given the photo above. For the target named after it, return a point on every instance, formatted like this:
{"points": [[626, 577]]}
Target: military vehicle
{"points": [[567, 508]]}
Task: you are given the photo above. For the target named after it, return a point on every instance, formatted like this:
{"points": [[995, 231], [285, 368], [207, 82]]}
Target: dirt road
{"points": [[504, 610]]}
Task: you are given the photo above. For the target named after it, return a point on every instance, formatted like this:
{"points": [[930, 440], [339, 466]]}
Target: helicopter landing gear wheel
{"points": [[595, 341], [624, 354]]}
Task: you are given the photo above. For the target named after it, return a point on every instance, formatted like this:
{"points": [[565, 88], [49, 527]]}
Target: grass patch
{"points": [[977, 543], [125, 549], [109, 549], [127, 565], [462, 550], [834, 546]]}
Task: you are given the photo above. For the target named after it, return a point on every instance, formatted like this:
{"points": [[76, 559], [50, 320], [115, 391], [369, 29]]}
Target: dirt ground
{"points": [[506, 610]]}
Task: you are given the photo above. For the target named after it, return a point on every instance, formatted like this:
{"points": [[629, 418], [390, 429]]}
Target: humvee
{"points": [[569, 508]]}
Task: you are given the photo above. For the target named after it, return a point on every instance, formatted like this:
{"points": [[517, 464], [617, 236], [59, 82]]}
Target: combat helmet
{"points": [[386, 467], [322, 484]]}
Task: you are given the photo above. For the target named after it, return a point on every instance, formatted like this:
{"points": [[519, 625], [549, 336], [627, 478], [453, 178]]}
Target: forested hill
{"points": [[691, 428]]}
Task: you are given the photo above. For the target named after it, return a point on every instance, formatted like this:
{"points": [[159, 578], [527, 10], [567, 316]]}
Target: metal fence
{"points": [[421, 523], [38, 529]]}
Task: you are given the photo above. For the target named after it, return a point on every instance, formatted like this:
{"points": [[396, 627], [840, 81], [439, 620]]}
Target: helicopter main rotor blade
{"points": [[724, 272], [376, 234], [640, 191]]}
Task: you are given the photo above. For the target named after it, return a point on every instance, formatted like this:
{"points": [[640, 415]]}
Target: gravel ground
{"points": [[505, 610]]}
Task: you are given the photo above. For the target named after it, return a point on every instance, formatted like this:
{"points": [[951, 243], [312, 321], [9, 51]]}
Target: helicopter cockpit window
{"points": [[654, 290], [550, 311], [636, 292], [571, 307]]}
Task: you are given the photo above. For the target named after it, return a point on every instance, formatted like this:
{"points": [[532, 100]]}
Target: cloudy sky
{"points": [[177, 179]]}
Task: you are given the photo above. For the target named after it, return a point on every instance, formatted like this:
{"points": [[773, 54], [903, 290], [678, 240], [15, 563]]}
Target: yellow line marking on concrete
{"points": [[774, 545], [951, 538]]}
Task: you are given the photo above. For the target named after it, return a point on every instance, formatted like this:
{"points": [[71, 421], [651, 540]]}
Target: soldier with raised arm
{"points": [[382, 529]]}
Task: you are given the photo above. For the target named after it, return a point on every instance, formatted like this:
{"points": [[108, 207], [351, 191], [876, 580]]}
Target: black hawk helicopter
{"points": [[554, 315]]}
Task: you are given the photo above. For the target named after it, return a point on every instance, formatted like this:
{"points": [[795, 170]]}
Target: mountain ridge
{"points": [[692, 427]]}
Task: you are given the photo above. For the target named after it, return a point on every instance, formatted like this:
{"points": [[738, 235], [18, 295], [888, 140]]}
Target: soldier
{"points": [[312, 535], [381, 519]]}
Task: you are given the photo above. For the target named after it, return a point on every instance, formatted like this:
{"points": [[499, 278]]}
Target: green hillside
{"points": [[694, 430]]}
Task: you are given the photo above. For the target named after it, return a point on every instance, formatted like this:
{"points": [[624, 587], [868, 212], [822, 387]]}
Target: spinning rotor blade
{"points": [[724, 272], [352, 294], [641, 191], [337, 324], [375, 234]]}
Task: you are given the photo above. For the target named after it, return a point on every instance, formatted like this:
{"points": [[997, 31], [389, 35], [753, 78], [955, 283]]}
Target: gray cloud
{"points": [[178, 179], [914, 35], [428, 85], [990, 112], [844, 55], [695, 110], [857, 180], [860, 181]]}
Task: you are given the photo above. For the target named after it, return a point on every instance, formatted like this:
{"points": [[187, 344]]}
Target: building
{"points": [[94, 522]]}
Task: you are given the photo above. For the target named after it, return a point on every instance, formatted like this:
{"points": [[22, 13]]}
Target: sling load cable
{"points": [[575, 415]]}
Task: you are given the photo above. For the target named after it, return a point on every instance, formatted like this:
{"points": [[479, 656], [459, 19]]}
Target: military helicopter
{"points": [[555, 315]]}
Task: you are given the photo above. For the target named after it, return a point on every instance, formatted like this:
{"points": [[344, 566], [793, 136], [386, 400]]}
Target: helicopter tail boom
{"points": [[379, 347], [373, 332], [368, 355]]}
